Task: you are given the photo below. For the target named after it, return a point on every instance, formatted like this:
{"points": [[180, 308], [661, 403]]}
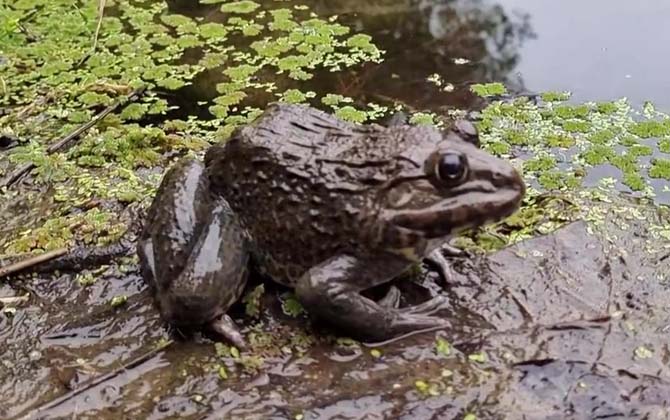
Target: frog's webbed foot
{"points": [[439, 259], [331, 292], [225, 326], [428, 307]]}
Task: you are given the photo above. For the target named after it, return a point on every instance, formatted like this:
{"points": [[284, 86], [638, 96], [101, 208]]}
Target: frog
{"points": [[326, 207]]}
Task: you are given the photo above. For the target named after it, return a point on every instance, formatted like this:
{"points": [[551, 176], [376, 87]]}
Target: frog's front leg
{"points": [[331, 290], [193, 252]]}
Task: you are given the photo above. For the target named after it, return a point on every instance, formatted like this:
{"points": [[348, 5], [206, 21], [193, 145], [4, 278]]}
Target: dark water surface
{"points": [[598, 50]]}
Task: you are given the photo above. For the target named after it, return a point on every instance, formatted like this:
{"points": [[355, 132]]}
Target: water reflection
{"points": [[462, 41], [428, 37]]}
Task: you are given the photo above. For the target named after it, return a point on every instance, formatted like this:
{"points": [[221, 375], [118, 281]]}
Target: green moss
{"points": [[333, 100], [93, 227], [602, 136], [558, 180], [555, 96], [540, 163], [294, 96], [442, 347], [559, 140], [664, 145], [607, 108], [421, 118], [252, 301], [488, 89], [638, 150], [576, 126], [242, 7], [627, 163], [648, 129], [349, 113], [628, 140], [517, 137], [634, 180], [660, 168], [291, 306], [571, 111], [597, 154]]}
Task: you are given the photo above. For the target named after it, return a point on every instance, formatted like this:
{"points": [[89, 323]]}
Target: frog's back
{"points": [[302, 182]]}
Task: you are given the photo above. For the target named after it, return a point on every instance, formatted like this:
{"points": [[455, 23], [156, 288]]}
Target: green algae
{"points": [[51, 81], [660, 168], [599, 133]]}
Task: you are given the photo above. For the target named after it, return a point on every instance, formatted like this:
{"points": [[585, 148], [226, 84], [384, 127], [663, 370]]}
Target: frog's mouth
{"points": [[460, 212]]}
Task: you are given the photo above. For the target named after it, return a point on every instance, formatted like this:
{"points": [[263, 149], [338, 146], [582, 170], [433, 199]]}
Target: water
{"points": [[598, 50]]}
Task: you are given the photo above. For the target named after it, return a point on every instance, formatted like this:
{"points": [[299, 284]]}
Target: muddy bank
{"points": [[569, 325]]}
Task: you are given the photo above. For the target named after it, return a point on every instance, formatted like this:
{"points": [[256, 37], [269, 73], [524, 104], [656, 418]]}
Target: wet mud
{"points": [[569, 325]]}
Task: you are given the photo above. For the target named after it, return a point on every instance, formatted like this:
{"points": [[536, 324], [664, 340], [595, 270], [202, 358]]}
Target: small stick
{"points": [[61, 143], [101, 14], [64, 259], [30, 262]]}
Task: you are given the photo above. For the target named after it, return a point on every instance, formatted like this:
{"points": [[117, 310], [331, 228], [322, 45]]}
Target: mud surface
{"points": [[569, 325]]}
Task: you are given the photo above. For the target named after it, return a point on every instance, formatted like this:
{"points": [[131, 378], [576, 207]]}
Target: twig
{"points": [[81, 258], [61, 143], [101, 14], [99, 380], [28, 108], [31, 262], [68, 259]]}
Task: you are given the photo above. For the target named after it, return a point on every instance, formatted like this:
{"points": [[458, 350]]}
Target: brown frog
{"points": [[324, 206]]}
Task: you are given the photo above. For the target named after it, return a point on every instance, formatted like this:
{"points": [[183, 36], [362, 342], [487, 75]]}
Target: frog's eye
{"points": [[451, 168]]}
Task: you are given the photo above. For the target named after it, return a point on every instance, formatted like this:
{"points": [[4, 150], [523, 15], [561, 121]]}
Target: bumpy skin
{"points": [[331, 209]]}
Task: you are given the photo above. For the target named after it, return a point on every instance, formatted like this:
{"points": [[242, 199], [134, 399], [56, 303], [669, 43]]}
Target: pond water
{"points": [[598, 50]]}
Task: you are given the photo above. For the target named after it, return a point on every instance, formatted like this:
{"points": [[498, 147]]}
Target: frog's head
{"points": [[446, 184]]}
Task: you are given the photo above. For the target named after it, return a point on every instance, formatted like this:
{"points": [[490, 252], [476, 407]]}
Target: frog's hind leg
{"points": [[331, 290], [193, 252], [179, 209]]}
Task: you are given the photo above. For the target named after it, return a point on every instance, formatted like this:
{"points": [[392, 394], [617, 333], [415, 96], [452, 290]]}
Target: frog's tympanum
{"points": [[324, 206]]}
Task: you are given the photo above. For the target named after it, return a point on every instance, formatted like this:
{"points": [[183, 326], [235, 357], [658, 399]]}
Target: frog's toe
{"points": [[391, 299], [428, 307], [406, 323], [451, 251], [440, 262], [225, 326]]}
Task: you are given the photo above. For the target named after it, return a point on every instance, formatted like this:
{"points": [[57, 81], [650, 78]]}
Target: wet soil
{"points": [[569, 325]]}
